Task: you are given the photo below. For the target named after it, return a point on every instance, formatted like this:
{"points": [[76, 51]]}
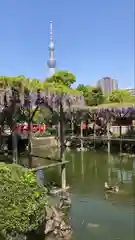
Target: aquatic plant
{"points": [[22, 201]]}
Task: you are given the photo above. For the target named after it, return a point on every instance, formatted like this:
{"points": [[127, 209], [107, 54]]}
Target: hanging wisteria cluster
{"points": [[115, 112], [52, 101], [44, 98]]}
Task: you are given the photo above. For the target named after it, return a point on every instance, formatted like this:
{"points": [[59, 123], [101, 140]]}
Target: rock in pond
{"points": [[56, 225]]}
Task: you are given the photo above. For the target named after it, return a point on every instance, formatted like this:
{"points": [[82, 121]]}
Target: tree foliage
{"points": [[92, 95], [59, 82], [63, 78], [97, 96], [42, 115], [121, 96], [22, 201], [59, 88]]}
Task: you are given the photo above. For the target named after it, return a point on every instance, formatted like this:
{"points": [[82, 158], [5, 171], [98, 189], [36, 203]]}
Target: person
{"points": [[42, 128]]}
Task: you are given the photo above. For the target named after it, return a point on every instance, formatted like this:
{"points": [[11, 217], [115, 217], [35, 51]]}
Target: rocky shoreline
{"points": [[55, 226]]}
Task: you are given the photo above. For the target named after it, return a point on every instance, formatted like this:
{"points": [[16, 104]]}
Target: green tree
{"points": [[12, 81], [87, 92], [4, 81], [121, 96], [82, 88], [42, 115], [33, 84], [92, 95], [63, 77], [59, 82], [97, 96]]}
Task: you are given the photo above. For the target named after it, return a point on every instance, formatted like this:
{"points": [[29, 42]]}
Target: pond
{"points": [[93, 214]]}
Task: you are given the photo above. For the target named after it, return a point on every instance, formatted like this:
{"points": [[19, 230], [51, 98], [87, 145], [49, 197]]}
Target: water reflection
{"points": [[86, 174], [134, 164], [40, 174], [82, 165], [113, 213], [121, 168], [72, 161], [99, 168]]}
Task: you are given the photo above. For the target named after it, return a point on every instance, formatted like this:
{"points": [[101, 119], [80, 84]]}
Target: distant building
{"points": [[107, 84], [132, 91]]}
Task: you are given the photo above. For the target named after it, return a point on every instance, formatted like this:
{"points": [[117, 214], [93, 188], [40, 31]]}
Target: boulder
{"points": [[56, 225], [49, 227]]}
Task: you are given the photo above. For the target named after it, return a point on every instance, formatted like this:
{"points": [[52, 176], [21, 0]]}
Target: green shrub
{"points": [[52, 131], [22, 201], [44, 134]]}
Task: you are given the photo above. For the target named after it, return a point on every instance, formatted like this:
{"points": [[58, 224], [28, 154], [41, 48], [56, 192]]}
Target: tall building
{"points": [[107, 84], [51, 62]]}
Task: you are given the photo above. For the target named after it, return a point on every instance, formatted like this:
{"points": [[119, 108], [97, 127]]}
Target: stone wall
{"points": [[44, 141]]}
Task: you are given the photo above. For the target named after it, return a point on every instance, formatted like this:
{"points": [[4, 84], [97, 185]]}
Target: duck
{"points": [[109, 188]]}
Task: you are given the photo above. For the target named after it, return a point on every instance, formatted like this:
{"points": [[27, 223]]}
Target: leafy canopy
{"points": [[59, 82], [121, 96], [92, 95], [63, 78]]}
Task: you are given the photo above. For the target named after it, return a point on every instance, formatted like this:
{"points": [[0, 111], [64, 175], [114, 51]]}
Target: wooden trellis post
{"points": [[28, 105], [120, 129], [15, 100], [81, 129], [29, 140], [94, 130], [62, 147], [14, 146], [72, 123], [108, 136]]}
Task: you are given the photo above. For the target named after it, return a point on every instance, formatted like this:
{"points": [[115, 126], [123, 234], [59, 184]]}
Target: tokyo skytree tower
{"points": [[51, 62]]}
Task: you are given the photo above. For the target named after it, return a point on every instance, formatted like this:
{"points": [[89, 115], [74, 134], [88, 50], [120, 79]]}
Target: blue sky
{"points": [[93, 39]]}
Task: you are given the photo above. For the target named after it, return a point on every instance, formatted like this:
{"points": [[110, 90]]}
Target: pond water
{"points": [[93, 214]]}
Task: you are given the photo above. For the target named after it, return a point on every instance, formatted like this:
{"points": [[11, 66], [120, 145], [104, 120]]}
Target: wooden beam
{"points": [[101, 138], [45, 157], [49, 166]]}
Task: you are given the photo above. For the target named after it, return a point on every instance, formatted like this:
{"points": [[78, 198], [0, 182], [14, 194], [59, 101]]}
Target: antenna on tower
{"points": [[51, 30]]}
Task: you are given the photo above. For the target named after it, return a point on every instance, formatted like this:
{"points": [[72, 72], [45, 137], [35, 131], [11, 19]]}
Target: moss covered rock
{"points": [[22, 201]]}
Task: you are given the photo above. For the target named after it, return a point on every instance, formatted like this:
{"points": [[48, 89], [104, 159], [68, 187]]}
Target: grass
{"points": [[104, 105], [115, 105]]}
